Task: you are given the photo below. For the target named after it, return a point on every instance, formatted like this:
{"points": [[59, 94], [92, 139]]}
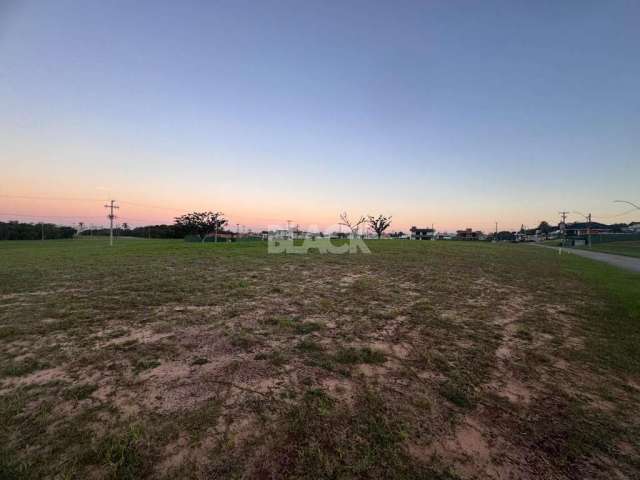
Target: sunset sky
{"points": [[446, 112]]}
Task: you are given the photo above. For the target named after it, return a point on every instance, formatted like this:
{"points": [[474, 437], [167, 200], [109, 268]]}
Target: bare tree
{"points": [[351, 225], [380, 224]]}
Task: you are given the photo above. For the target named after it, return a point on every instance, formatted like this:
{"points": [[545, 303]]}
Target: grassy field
{"points": [[438, 360], [628, 248]]}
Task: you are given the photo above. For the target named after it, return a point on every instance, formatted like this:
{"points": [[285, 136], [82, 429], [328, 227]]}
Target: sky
{"points": [[452, 113]]}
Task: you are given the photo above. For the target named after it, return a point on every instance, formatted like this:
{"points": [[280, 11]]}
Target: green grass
{"points": [[20, 368], [123, 454], [613, 329], [322, 439], [627, 248], [158, 359], [359, 355]]}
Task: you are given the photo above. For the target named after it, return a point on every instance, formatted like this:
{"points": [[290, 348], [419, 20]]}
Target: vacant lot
{"points": [[628, 248], [422, 360]]}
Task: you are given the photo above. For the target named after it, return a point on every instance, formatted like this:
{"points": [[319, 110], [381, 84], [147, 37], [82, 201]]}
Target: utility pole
{"points": [[588, 219], [563, 226], [563, 215], [111, 216]]}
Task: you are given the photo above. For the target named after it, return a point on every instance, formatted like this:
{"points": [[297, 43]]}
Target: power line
{"points": [[17, 216], [57, 199], [77, 199], [133, 219], [47, 215], [627, 202], [150, 206], [618, 215]]}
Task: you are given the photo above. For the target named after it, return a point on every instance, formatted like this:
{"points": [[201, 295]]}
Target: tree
{"points": [[504, 236], [14, 230], [200, 223], [544, 227], [125, 226], [380, 224], [157, 231], [351, 225]]}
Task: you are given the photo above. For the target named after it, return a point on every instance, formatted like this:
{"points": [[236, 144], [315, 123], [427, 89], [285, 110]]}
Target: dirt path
{"points": [[628, 263]]}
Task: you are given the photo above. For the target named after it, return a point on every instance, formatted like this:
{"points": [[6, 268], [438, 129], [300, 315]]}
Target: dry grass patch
{"points": [[422, 360]]}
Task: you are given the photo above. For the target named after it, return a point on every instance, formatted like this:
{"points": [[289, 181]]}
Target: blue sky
{"points": [[453, 113]]}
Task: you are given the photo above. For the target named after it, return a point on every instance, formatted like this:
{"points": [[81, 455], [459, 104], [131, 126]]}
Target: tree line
{"points": [[14, 230], [198, 224], [203, 224], [149, 231]]}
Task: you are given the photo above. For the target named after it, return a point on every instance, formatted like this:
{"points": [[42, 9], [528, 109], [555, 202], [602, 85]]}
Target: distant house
{"points": [[526, 236], [579, 229], [221, 236], [445, 236], [468, 234], [554, 234], [279, 234], [422, 233], [530, 235], [634, 227], [301, 234]]}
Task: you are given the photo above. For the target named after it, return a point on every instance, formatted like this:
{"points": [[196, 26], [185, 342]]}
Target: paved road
{"points": [[628, 263]]}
